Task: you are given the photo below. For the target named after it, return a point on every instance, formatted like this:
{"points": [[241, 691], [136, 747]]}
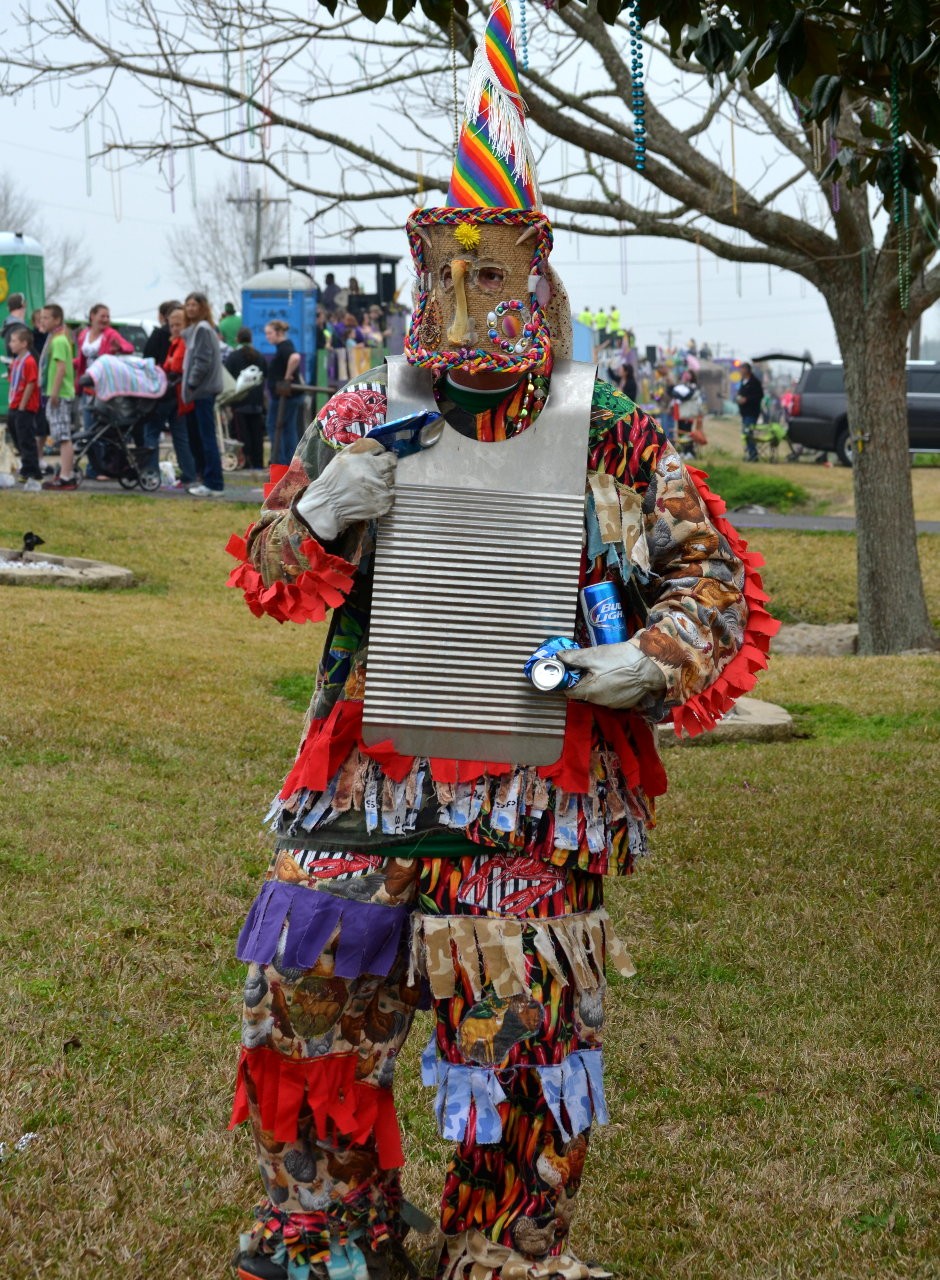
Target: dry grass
{"points": [[812, 577], [773, 1072], [830, 488]]}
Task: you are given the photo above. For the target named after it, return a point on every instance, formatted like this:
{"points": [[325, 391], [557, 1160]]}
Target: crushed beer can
{"points": [[546, 670]]}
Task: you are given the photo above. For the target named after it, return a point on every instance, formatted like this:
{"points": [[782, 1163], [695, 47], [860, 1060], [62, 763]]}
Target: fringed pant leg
{"points": [[515, 958], [327, 1009]]}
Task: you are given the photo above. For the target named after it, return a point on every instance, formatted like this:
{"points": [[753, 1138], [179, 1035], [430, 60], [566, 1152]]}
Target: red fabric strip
{"points": [[740, 675], [323, 585], [342, 1107]]}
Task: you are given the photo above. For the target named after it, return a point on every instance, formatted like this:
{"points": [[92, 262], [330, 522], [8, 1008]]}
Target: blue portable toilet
{"points": [[281, 293], [583, 342]]}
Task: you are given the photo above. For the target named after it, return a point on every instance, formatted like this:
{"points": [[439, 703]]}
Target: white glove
{"points": [[358, 485], [613, 675]]}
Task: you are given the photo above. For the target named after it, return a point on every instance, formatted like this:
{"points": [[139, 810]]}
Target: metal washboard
{"points": [[476, 566]]}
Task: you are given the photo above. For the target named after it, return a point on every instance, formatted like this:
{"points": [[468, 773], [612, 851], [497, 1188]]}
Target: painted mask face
{"points": [[483, 289]]}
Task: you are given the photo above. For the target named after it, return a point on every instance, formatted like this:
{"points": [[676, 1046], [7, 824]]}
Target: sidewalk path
{"points": [[815, 524], [247, 488]]}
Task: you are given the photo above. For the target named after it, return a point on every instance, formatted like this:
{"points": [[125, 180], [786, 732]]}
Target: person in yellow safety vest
{"points": [[600, 325], [614, 327], [587, 317]]}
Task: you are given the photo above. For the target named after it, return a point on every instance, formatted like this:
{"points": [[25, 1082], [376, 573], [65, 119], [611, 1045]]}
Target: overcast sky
{"points": [[125, 217]]}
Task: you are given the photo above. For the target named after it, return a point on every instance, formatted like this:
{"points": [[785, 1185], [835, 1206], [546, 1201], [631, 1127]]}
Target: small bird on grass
{"points": [[30, 542]]}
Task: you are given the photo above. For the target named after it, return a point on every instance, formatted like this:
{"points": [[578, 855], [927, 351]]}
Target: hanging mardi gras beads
{"points": [[636, 75], [900, 214]]}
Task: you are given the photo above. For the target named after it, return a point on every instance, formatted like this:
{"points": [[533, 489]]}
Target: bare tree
{"points": [[263, 101], [69, 271], [231, 232]]}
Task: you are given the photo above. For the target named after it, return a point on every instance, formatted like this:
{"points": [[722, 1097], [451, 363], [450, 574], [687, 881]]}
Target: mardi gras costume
{"points": [[405, 875]]}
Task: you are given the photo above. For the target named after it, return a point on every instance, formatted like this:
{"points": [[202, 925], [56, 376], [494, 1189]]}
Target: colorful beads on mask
{"points": [[510, 329]]}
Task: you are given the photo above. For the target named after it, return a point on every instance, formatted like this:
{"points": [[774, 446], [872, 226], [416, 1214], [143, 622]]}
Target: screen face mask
{"points": [[483, 288]]}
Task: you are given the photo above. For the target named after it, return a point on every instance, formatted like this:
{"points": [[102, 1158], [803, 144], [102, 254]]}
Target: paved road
{"points": [[243, 487]]}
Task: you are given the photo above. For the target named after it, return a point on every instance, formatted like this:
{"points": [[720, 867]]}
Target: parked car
{"points": [[135, 331], [819, 419]]}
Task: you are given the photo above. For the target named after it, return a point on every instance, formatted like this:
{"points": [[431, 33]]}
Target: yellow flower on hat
{"points": [[467, 236]]}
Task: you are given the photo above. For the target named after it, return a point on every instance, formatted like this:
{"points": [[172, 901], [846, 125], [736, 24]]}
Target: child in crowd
{"points": [[24, 406], [60, 392]]}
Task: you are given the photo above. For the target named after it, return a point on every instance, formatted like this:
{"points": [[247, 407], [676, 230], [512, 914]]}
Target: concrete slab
{"points": [[749, 720], [805, 640], [65, 571]]}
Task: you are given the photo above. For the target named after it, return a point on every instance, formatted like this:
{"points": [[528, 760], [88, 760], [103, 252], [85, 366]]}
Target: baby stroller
{"points": [[126, 389]]}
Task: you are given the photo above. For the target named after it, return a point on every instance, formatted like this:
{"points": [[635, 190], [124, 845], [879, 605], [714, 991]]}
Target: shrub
{"points": [[741, 488]]}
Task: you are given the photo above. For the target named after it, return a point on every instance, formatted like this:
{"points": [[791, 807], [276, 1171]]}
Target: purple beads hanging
{"points": [[636, 76]]}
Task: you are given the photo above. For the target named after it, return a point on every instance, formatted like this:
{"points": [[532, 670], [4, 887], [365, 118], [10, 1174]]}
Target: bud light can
{"points": [[603, 613], [547, 671]]}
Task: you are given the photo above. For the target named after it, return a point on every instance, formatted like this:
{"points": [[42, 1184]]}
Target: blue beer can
{"points": [[603, 613], [546, 670]]}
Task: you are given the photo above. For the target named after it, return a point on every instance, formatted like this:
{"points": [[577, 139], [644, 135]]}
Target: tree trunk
{"points": [[892, 608]]}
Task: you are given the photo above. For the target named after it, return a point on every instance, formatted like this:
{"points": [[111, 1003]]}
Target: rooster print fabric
{"points": [[646, 528], [518, 1076]]}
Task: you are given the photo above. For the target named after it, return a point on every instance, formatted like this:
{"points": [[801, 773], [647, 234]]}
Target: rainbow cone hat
{"points": [[493, 167], [492, 216]]}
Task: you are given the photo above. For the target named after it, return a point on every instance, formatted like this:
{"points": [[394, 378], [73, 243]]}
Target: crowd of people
{"points": [[51, 396]]}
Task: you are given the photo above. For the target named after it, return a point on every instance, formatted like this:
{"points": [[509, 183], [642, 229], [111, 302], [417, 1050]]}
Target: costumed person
{"points": [[688, 409], [444, 833]]}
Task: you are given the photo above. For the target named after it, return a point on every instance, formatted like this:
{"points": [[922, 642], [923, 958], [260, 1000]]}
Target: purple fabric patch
{"points": [[369, 934]]}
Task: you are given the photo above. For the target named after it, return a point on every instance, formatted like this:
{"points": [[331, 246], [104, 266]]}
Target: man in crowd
{"points": [[614, 327], [16, 319], [330, 290], [600, 326], [750, 398], [229, 324]]}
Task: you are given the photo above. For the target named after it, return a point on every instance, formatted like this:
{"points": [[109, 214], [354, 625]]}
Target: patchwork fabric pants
{"points": [[342, 950]]}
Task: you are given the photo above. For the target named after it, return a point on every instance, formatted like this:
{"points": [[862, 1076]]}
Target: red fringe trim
{"points": [[705, 709], [330, 740], [324, 585], [342, 1106]]}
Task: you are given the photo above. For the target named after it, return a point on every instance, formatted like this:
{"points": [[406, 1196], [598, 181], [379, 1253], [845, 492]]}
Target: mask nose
{"points": [[459, 331]]}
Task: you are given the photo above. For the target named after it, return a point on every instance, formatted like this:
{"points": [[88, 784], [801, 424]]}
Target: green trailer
{"points": [[21, 271]]}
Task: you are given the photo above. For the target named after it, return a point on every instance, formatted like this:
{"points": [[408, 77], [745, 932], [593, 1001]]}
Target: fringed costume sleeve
{"points": [[691, 584], [285, 571]]}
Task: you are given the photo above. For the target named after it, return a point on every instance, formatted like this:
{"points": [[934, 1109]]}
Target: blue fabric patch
{"points": [[574, 1091], [576, 1086]]}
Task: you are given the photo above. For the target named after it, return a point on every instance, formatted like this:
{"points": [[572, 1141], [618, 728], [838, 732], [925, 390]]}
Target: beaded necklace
{"points": [[519, 408]]}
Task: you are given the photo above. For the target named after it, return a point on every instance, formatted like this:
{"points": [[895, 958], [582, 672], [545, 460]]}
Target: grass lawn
{"points": [[773, 1073], [826, 490]]}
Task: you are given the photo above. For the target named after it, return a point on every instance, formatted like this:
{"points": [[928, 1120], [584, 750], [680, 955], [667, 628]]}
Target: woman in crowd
{"points": [[202, 382], [96, 339], [169, 413], [284, 406], [628, 382], [248, 414], [371, 327]]}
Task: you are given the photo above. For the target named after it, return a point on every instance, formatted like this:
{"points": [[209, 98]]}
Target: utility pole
{"points": [[261, 203]]}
